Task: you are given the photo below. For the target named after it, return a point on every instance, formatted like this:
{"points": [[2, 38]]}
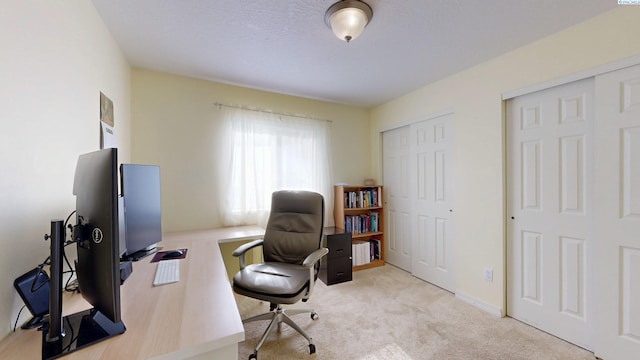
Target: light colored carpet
{"points": [[385, 313]]}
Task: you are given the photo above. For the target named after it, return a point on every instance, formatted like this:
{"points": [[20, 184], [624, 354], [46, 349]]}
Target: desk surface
{"points": [[196, 315]]}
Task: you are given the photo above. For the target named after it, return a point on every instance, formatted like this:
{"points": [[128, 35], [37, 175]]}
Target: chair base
{"points": [[279, 315]]}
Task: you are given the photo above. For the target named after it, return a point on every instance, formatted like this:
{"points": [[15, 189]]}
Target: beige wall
{"points": [[475, 97], [57, 57], [176, 125]]}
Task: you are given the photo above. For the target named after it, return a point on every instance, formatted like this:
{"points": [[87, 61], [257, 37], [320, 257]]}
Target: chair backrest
{"points": [[294, 229]]}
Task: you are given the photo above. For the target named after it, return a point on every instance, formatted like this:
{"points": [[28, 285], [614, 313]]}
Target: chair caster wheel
{"points": [[312, 349], [314, 316], [253, 356]]}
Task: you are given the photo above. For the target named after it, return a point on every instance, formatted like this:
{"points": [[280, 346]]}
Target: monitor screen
{"points": [[142, 212], [98, 265]]}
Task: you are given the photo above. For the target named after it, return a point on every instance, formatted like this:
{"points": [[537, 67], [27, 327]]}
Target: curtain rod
{"points": [[267, 111]]}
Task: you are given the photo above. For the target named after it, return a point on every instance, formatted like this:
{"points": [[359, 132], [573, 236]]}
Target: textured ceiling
{"points": [[285, 47]]}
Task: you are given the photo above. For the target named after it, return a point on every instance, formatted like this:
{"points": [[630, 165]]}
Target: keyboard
{"points": [[168, 271]]}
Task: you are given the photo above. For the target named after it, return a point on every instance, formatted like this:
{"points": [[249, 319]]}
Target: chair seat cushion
{"points": [[271, 279]]}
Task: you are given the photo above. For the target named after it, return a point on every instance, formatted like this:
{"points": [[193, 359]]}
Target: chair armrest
{"points": [[314, 257], [309, 263], [241, 250]]}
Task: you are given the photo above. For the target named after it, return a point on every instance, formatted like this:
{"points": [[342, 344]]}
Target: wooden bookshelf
{"points": [[359, 210]]}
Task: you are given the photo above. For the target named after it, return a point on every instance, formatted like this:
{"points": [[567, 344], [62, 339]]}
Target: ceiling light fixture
{"points": [[348, 18]]}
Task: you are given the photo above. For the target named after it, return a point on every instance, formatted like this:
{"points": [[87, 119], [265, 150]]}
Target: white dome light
{"points": [[347, 19]]}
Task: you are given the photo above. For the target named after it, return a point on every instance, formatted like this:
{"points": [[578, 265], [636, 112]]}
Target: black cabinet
{"points": [[336, 266]]}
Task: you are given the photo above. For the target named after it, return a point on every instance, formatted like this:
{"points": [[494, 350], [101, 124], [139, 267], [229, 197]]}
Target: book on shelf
{"points": [[374, 248], [360, 252], [362, 224], [364, 251], [364, 198]]}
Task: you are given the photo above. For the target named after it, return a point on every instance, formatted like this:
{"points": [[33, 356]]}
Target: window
{"points": [[266, 152]]}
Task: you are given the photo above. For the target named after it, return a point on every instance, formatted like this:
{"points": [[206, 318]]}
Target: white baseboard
{"points": [[493, 310]]}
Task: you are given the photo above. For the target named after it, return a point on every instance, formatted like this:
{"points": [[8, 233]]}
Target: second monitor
{"points": [[141, 212]]}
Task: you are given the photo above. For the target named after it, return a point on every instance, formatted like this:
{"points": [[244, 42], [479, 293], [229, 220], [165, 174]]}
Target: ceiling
{"points": [[285, 47]]}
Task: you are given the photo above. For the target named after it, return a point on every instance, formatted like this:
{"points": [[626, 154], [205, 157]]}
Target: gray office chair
{"points": [[291, 251]]}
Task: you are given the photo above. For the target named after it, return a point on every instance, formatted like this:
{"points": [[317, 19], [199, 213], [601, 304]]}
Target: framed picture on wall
{"points": [[107, 134]]}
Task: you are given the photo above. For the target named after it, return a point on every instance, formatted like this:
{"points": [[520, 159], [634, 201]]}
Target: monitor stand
{"points": [[80, 330], [139, 254]]}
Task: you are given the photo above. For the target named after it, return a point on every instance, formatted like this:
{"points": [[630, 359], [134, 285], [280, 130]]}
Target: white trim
{"points": [[416, 120], [493, 310], [598, 70]]}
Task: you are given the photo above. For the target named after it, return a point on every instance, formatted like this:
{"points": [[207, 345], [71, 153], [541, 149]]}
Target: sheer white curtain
{"points": [[265, 152]]}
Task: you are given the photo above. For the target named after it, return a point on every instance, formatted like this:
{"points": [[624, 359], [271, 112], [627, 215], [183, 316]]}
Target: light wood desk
{"points": [[196, 317]]}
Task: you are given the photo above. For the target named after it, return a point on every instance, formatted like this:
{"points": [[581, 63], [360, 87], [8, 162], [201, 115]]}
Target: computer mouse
{"points": [[172, 254]]}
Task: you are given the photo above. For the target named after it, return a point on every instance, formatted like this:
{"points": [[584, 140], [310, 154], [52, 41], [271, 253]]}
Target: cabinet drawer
{"points": [[339, 245], [341, 269], [336, 270]]}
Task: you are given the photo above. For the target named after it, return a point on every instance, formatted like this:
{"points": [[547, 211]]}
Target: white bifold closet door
{"points": [[550, 149], [573, 202], [419, 195], [433, 230], [617, 215], [397, 206]]}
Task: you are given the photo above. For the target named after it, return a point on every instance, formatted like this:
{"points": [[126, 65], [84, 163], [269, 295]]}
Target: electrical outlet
{"points": [[488, 274]]}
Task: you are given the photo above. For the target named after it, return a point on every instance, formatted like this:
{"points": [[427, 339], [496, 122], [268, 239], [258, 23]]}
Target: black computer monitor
{"points": [[140, 186], [98, 264]]}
